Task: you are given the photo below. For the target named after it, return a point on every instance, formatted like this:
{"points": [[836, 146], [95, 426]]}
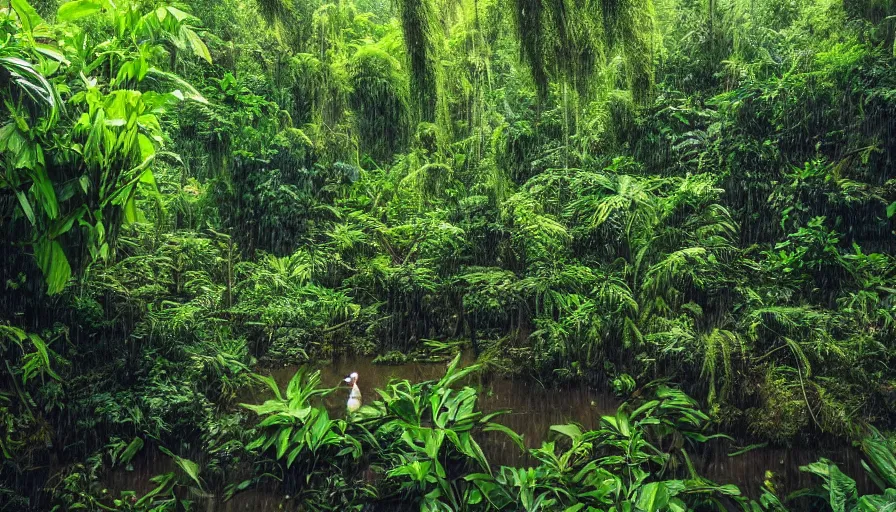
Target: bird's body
{"points": [[354, 396]]}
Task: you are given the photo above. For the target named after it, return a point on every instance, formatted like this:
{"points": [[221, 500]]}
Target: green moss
{"points": [[393, 357]]}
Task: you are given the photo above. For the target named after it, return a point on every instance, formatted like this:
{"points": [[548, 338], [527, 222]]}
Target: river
{"points": [[534, 409]]}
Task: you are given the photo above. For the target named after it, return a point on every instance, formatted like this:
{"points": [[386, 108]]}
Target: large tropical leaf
{"points": [[71, 11], [840, 488], [882, 459], [54, 264], [31, 81], [652, 497]]}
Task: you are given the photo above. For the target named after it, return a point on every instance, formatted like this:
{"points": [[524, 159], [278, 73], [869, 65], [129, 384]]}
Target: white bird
{"points": [[354, 396]]}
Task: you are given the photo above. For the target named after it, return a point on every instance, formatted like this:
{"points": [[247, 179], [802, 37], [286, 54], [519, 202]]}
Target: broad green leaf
{"points": [[277, 419], [7, 132], [77, 9], [676, 505], [147, 148], [515, 437], [842, 495], [270, 383], [283, 441], [164, 484], [882, 458], [471, 448], [33, 83], [52, 52], [647, 408], [569, 430], [293, 454], [653, 497], [178, 14], [452, 375], [185, 88], [53, 263], [133, 447], [842, 491], [28, 16], [198, 46], [130, 210], [44, 190], [257, 443]]}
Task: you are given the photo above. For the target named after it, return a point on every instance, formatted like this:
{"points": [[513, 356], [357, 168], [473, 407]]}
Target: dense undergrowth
{"points": [[591, 192]]}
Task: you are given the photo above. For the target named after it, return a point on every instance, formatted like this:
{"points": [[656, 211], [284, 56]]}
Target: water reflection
{"points": [[534, 409]]}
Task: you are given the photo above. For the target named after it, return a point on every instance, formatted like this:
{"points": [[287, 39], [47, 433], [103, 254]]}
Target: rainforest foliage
{"points": [[586, 192]]}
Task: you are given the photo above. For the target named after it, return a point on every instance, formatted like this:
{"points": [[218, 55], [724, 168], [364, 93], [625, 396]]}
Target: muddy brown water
{"points": [[534, 409]]}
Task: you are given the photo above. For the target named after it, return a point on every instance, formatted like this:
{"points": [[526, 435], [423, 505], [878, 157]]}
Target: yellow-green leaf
{"points": [[78, 9], [198, 46], [28, 16]]}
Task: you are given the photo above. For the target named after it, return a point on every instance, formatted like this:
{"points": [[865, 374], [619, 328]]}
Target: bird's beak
{"points": [[347, 379]]}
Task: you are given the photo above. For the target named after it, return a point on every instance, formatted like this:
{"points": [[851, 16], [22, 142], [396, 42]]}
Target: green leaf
{"points": [[842, 491], [283, 441], [178, 14], [133, 447], [569, 430], [676, 505], [747, 449], [130, 210], [515, 437], [189, 92], [44, 355], [270, 383], [28, 16], [33, 83], [878, 503], [147, 149], [9, 135], [78, 9], [63, 225], [188, 466], [26, 205], [45, 191], [51, 52], [257, 443], [276, 419], [653, 497], [53, 263], [294, 454], [198, 46], [452, 375], [842, 495], [882, 458], [891, 210]]}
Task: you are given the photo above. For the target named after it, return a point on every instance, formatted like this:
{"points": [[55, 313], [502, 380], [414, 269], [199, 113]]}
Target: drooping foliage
{"points": [[422, 40], [380, 102], [570, 41]]}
